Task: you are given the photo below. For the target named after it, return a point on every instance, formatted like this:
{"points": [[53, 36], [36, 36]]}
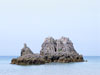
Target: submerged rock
{"points": [[59, 50]]}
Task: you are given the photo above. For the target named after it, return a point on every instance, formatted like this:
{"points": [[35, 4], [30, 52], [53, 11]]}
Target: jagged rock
{"points": [[26, 50], [60, 46], [59, 50], [48, 47]]}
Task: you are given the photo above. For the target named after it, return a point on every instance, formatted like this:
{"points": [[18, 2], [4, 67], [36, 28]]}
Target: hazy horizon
{"points": [[31, 21]]}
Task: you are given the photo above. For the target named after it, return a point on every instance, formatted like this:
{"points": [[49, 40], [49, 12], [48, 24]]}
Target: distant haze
{"points": [[31, 21]]}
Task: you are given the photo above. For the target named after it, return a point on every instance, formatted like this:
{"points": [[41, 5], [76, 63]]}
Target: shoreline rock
{"points": [[59, 50], [28, 59]]}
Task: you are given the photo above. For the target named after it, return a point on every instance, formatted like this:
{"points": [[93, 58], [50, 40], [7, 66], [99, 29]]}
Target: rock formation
{"points": [[59, 50], [62, 46], [28, 57], [26, 50]]}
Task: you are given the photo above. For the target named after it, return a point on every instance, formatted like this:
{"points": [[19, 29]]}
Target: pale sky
{"points": [[31, 21]]}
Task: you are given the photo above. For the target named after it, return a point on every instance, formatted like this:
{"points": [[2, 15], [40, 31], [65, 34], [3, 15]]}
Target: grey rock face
{"points": [[60, 46], [59, 50], [48, 47], [26, 50]]}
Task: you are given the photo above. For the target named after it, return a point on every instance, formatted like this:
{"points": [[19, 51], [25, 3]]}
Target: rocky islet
{"points": [[59, 50]]}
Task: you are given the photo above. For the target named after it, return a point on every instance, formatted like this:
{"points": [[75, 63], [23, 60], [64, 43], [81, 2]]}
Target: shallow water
{"points": [[92, 67]]}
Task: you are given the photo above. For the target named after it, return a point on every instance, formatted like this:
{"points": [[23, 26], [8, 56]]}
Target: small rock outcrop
{"points": [[59, 50], [26, 50], [28, 57]]}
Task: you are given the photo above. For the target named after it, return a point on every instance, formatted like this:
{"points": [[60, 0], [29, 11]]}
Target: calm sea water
{"points": [[92, 67]]}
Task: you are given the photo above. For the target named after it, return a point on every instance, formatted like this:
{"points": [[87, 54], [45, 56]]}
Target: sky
{"points": [[31, 21]]}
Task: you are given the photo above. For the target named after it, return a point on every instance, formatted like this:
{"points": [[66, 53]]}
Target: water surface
{"points": [[92, 67]]}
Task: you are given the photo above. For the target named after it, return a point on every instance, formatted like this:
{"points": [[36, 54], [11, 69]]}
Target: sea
{"points": [[91, 67]]}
